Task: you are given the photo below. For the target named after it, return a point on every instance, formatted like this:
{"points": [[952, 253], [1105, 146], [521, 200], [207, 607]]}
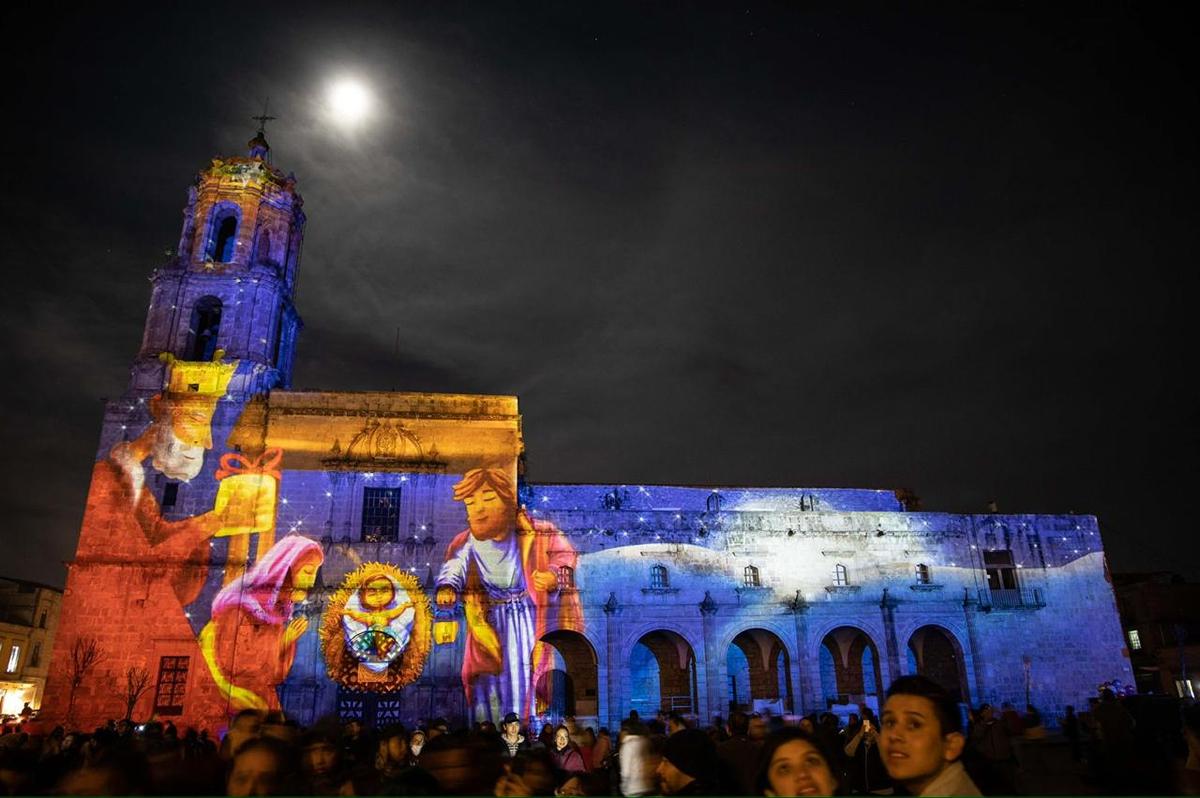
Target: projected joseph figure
{"points": [[506, 567]]}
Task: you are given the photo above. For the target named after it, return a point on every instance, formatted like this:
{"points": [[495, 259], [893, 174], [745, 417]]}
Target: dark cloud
{"points": [[948, 248]]}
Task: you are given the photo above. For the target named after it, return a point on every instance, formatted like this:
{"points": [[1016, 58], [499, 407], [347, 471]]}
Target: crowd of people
{"points": [[919, 745]]}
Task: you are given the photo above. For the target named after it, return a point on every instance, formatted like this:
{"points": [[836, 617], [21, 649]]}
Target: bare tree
{"points": [[137, 682], [86, 654]]}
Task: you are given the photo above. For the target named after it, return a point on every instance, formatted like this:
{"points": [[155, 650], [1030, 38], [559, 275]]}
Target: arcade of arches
{"points": [[662, 669], [760, 672], [849, 667], [935, 653], [571, 686]]}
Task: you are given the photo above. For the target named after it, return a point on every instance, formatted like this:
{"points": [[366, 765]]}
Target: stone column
{"points": [[887, 606], [970, 609], [710, 699], [614, 665], [804, 689]]}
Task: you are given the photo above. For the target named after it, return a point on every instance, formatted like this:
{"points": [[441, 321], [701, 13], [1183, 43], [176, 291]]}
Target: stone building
{"points": [[1161, 613], [28, 619], [382, 555]]}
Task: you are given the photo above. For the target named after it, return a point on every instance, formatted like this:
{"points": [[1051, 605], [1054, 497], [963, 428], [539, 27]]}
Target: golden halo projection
{"points": [[375, 633]]}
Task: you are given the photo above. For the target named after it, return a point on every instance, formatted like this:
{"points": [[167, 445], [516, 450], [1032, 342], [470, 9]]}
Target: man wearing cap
{"points": [[511, 737], [687, 762]]}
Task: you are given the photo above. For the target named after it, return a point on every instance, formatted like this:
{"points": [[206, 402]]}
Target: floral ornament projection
{"points": [[375, 633]]}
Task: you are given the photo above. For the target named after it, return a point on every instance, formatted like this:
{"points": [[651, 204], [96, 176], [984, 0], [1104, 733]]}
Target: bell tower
{"points": [[231, 282]]}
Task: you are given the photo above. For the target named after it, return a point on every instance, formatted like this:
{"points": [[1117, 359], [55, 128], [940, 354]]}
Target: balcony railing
{"points": [[1022, 598]]}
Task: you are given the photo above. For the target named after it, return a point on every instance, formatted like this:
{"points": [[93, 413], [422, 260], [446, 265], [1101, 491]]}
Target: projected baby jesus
{"points": [[378, 620], [506, 568]]}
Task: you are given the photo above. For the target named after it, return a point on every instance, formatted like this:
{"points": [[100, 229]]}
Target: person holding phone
{"points": [[864, 766]]}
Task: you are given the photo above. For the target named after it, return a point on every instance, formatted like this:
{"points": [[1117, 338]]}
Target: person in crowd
{"points": [[463, 764], [437, 727], [792, 763], [416, 743], [511, 740], [1011, 720], [109, 769], [1070, 730], [865, 770], [394, 772], [738, 755], [676, 722], [246, 725], [829, 738], [997, 765], [566, 755], [261, 766], [585, 741], [922, 739], [602, 751], [321, 760], [530, 772], [1189, 776], [758, 728], [1032, 724], [687, 765], [637, 775]]}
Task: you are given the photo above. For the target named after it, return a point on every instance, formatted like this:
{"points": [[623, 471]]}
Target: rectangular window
{"points": [[14, 659], [35, 656], [840, 577], [381, 514], [170, 494], [1001, 573], [172, 683], [922, 574], [1135, 640], [42, 620]]}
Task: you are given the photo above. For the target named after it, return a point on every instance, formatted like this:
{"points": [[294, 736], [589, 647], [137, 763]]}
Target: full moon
{"points": [[349, 102]]}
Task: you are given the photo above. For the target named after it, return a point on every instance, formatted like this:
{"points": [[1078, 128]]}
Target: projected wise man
{"points": [[506, 567], [123, 518]]}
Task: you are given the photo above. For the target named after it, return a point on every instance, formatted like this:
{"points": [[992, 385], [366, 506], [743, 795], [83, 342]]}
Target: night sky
{"points": [[944, 247]]}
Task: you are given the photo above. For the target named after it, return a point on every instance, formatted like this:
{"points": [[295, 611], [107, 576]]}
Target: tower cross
{"points": [[264, 118]]}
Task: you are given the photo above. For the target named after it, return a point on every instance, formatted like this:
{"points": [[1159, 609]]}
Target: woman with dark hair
{"points": [[792, 763], [566, 755]]}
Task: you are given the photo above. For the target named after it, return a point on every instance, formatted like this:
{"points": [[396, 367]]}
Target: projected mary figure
{"points": [[506, 568]]}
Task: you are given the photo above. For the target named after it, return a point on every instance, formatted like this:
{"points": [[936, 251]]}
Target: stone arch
{"points": [[767, 673], [224, 221], [204, 328], [573, 688], [663, 673], [851, 666], [938, 655]]}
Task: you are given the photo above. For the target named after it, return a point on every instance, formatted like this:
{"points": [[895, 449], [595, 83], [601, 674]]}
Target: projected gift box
{"points": [[246, 501]]}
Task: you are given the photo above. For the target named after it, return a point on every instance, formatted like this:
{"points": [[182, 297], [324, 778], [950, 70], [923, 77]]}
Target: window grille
{"points": [[172, 684], [381, 514]]}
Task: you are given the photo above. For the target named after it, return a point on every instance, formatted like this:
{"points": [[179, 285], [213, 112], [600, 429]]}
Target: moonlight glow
{"points": [[349, 102]]}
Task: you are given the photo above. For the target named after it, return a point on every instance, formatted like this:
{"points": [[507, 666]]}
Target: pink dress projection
{"points": [[251, 615]]}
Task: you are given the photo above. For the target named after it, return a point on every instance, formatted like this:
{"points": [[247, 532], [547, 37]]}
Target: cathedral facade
{"points": [[381, 555]]}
